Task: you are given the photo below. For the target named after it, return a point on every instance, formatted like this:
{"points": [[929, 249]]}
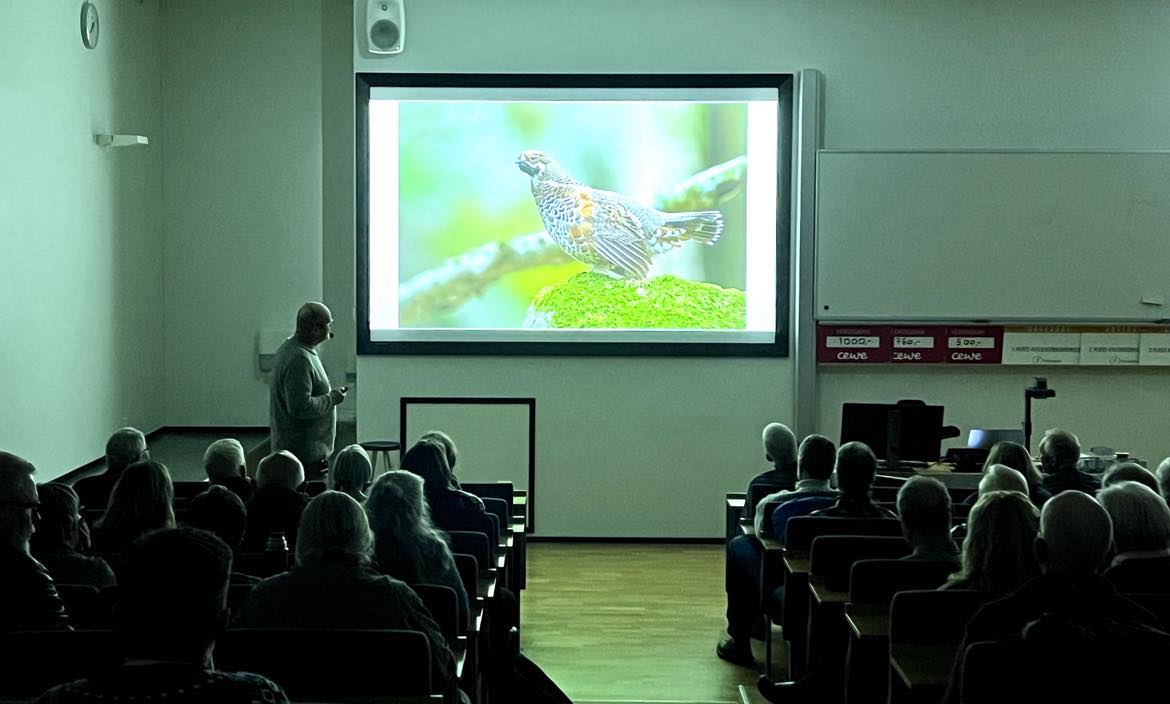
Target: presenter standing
{"points": [[302, 409]]}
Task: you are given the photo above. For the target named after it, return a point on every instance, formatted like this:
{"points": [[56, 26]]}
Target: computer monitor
{"points": [[895, 431], [986, 437]]}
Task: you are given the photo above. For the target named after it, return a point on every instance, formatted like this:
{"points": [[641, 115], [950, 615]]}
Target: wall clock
{"points": [[89, 25]]}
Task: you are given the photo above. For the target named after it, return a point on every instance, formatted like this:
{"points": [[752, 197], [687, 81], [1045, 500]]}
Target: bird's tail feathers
{"points": [[702, 226]]}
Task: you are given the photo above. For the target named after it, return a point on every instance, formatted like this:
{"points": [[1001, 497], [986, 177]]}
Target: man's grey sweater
{"points": [[301, 415]]}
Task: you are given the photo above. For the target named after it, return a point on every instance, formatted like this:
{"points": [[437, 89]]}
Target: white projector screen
{"points": [[573, 215]]}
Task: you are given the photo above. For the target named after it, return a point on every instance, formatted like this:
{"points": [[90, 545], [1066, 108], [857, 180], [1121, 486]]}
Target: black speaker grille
{"points": [[384, 34]]}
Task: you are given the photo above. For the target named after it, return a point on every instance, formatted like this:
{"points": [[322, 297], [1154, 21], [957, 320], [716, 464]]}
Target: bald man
{"points": [[302, 405], [276, 505], [28, 597], [1069, 596]]}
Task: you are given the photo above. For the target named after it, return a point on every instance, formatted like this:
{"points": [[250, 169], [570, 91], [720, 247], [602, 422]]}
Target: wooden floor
{"points": [[631, 622]]}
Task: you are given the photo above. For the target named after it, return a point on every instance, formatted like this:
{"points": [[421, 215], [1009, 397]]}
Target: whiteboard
{"points": [[993, 236]]}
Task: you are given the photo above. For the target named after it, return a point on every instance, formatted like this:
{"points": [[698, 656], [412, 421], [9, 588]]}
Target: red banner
{"points": [[971, 345], [918, 345], [907, 344], [841, 344]]}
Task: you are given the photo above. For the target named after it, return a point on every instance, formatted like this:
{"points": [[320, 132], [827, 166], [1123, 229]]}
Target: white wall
{"points": [[927, 74], [80, 231], [242, 195]]}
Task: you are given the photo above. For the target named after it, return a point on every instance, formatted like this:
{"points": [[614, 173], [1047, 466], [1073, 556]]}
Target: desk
{"points": [[868, 621], [867, 679]]}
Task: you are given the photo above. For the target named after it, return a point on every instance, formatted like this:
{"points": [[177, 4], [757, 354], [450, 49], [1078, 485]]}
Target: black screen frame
{"points": [[779, 347]]}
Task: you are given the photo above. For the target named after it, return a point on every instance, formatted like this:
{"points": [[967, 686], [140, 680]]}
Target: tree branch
{"points": [[458, 279]]}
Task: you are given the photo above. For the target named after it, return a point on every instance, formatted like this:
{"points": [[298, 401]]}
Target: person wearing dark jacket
{"points": [[61, 537], [1074, 539], [28, 597], [123, 448], [856, 468], [276, 506], [1060, 451], [451, 508], [1141, 538], [224, 463], [924, 508], [780, 450], [333, 585]]}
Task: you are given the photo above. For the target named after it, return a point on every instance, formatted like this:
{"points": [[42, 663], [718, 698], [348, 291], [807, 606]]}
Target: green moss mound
{"points": [[589, 300]]}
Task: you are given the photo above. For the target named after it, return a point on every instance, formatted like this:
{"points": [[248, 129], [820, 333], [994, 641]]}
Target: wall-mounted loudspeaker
{"points": [[385, 26]]}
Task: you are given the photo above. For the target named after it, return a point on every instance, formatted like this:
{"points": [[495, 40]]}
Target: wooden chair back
{"points": [[931, 617], [803, 529], [832, 556], [443, 603], [876, 581]]}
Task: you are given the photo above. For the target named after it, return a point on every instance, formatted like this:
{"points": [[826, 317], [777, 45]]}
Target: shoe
{"points": [[734, 651], [786, 692]]}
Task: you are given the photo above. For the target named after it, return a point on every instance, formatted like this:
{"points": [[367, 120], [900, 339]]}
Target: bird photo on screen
{"points": [[615, 234]]}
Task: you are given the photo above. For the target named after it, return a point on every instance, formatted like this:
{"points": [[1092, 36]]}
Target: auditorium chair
{"points": [[926, 627], [442, 603], [872, 585], [37, 660], [333, 665]]}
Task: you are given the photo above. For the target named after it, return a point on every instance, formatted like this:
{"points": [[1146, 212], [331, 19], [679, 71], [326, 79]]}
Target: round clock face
{"points": [[89, 25]]}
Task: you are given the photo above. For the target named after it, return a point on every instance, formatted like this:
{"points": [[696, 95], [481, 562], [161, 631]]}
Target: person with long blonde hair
{"points": [[999, 550]]}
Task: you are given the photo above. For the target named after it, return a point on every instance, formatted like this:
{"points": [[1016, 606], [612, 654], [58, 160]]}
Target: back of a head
{"points": [[352, 469], [13, 470], [1060, 450], [780, 444], [396, 499], [1014, 455], [125, 447], [219, 511], [172, 593], [57, 529], [429, 461], [403, 534], [310, 316], [1141, 519], [141, 501], [448, 444], [817, 457], [1075, 534], [1129, 472], [280, 469], [1163, 476], [16, 488], [924, 507], [999, 549], [223, 459], [856, 467], [334, 529], [999, 477]]}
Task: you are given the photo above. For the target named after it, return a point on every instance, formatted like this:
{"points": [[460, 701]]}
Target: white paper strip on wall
{"points": [[1155, 349], [1109, 348], [1041, 348]]}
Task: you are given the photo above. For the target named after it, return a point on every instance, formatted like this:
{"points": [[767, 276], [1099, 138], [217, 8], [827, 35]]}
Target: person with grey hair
{"points": [[1141, 538], [277, 503], [61, 540], [1129, 472], [448, 444], [924, 509], [780, 450], [125, 447], [1163, 476], [1000, 477], [28, 597], [225, 465], [302, 406], [352, 472], [1060, 451], [1069, 598], [333, 585]]}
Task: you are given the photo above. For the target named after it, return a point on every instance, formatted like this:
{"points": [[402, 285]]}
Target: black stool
{"points": [[383, 448]]}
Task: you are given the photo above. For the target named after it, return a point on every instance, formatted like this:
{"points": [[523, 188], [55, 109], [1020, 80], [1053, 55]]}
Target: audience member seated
{"points": [[28, 597], [124, 448], [1141, 538], [142, 501], [1163, 476], [1129, 472], [780, 450], [451, 508], [998, 552], [1060, 451], [997, 477], [220, 511], [744, 552], [226, 466], [924, 508], [856, 468], [276, 505], [1015, 456], [1069, 596], [407, 546], [334, 586], [172, 604], [352, 473], [449, 450], [61, 539]]}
